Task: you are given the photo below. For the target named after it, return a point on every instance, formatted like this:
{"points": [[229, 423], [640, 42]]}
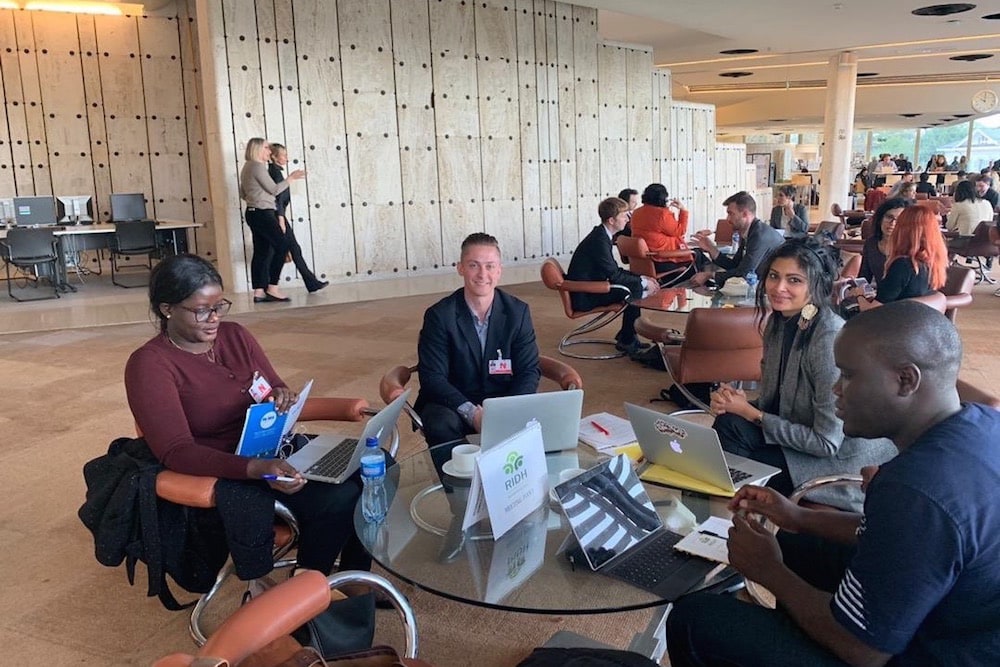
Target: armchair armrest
{"points": [[189, 490], [561, 373], [667, 255], [588, 286], [394, 382]]}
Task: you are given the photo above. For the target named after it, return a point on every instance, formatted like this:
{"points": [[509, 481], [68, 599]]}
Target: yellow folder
{"points": [[663, 475]]}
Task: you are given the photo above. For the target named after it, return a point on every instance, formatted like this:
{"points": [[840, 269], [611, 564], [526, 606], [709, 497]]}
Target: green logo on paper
{"points": [[513, 463]]}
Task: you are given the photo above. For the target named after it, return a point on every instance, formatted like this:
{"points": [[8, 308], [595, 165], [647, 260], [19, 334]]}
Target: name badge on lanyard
{"points": [[260, 388], [500, 366]]}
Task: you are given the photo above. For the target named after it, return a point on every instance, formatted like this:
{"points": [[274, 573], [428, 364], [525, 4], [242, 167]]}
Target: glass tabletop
{"points": [[686, 299], [421, 541]]}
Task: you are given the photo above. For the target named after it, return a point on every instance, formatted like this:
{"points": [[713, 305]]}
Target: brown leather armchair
{"points": [[394, 383], [555, 279], [269, 618], [199, 491], [720, 345], [643, 262], [957, 289], [980, 245]]}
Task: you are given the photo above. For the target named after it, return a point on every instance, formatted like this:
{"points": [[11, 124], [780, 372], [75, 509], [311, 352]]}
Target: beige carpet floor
{"points": [[64, 402]]}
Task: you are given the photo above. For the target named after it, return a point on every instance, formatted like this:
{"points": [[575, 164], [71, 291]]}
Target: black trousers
{"points": [[293, 248], [705, 629], [745, 438], [269, 247], [442, 424], [627, 333]]}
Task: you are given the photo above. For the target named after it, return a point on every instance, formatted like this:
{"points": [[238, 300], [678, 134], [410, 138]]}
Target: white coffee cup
{"points": [[463, 458], [570, 473]]}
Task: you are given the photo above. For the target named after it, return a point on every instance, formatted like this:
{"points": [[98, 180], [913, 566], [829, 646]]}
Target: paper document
{"points": [[264, 428], [710, 540], [606, 431]]}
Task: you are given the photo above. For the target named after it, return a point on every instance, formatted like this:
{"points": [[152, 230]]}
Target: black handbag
{"points": [[347, 625]]}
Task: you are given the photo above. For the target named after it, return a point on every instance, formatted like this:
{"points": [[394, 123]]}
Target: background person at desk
{"points": [[476, 343], [258, 190], [757, 239], [793, 425], [787, 216], [189, 388]]}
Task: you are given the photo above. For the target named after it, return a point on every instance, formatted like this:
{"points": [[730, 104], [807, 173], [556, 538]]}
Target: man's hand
{"points": [[767, 502], [477, 419], [753, 550], [700, 278], [867, 475], [652, 287], [704, 241]]}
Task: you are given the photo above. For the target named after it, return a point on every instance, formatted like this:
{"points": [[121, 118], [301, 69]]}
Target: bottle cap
{"points": [[371, 441]]}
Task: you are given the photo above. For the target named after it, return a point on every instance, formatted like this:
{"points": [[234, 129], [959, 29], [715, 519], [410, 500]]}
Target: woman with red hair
{"points": [[917, 260]]}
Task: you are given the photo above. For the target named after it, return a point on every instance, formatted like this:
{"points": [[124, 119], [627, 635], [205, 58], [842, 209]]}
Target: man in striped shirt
{"points": [[916, 579]]}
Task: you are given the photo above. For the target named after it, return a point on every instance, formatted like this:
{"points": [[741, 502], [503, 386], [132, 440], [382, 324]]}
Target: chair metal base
{"points": [[980, 269], [280, 562], [10, 281], [601, 320]]}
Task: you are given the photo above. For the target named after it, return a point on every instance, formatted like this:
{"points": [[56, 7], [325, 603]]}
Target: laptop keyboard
{"points": [[652, 562], [335, 462], [738, 475]]}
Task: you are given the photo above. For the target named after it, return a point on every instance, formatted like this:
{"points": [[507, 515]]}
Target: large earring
{"points": [[805, 317]]}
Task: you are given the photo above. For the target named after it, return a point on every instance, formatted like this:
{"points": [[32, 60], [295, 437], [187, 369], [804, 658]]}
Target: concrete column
{"points": [[838, 130]]}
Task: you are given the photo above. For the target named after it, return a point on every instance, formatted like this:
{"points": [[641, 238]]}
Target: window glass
{"points": [[985, 147], [949, 141]]}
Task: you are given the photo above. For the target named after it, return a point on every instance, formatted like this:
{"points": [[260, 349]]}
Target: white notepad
{"points": [[710, 540]]}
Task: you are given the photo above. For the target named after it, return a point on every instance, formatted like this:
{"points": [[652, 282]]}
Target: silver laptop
{"points": [[620, 534], [333, 458], [694, 450], [558, 413]]}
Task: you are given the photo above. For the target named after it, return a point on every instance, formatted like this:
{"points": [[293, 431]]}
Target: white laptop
{"points": [[333, 458], [558, 413], [693, 450]]}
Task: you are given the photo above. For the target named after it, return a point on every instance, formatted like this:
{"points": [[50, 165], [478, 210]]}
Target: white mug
{"points": [[463, 458]]}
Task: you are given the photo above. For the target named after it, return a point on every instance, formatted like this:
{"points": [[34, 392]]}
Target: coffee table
{"points": [[686, 299], [421, 542]]}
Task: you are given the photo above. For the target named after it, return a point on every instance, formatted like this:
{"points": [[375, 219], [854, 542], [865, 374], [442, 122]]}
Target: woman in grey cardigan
{"points": [[793, 425]]}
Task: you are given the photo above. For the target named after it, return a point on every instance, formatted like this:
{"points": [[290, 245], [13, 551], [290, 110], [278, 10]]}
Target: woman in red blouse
{"points": [[655, 223]]}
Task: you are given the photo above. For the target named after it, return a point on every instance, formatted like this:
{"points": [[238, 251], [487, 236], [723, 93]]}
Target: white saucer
{"points": [[553, 497], [449, 468]]}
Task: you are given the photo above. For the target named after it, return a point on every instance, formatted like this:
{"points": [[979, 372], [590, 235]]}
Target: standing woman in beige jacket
{"points": [[258, 190]]}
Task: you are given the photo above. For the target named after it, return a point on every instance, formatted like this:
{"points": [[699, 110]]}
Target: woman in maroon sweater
{"points": [[188, 389]]}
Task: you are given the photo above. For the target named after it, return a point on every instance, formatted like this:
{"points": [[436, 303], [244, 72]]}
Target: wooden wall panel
{"points": [[16, 103], [543, 120], [587, 103], [33, 114], [528, 113], [272, 91], [612, 96], [566, 123], [418, 157], [7, 188]]}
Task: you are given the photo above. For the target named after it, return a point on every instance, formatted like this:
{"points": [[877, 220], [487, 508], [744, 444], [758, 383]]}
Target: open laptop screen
{"points": [[608, 510]]}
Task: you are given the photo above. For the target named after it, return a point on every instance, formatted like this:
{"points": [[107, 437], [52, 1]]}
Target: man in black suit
{"points": [[757, 240], [592, 260], [476, 343]]}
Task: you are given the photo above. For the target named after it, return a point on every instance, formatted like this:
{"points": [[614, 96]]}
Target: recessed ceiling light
{"points": [[944, 10], [934, 124], [735, 75], [992, 17], [777, 120], [972, 57], [738, 52], [861, 74], [962, 115], [909, 115]]}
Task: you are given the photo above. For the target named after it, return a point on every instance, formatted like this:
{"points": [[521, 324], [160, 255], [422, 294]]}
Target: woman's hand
{"points": [[265, 468], [865, 303], [297, 174], [734, 401], [676, 203], [281, 223], [283, 399]]}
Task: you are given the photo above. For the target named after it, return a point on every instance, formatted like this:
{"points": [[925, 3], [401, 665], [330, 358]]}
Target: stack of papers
{"points": [[710, 540], [605, 431]]}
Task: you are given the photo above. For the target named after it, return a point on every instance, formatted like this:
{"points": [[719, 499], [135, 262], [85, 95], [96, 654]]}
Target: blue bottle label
{"points": [[373, 468]]}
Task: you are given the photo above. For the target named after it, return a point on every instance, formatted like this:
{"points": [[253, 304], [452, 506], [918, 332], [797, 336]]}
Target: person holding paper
{"points": [[911, 581], [189, 388], [476, 343]]}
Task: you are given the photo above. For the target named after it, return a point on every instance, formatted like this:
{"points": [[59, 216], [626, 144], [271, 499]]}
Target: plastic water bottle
{"points": [[751, 279], [373, 500], [735, 243]]}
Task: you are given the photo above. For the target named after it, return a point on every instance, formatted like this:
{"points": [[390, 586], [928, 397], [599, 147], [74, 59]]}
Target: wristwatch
{"points": [[467, 410], [759, 419]]}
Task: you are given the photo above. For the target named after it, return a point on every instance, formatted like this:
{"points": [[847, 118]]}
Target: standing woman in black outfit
{"points": [[259, 190], [279, 158]]}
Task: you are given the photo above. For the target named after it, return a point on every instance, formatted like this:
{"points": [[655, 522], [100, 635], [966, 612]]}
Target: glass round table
{"points": [[422, 542], [686, 299]]}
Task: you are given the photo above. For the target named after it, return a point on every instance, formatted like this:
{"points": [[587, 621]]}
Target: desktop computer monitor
{"points": [[34, 211], [128, 207], [75, 208]]}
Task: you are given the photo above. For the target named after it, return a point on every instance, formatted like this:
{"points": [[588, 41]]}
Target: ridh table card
{"points": [[509, 482]]}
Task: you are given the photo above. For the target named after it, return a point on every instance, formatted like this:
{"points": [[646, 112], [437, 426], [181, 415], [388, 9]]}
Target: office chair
{"points": [[29, 249], [980, 245], [130, 239], [394, 382], [554, 278], [643, 262], [199, 492], [957, 289], [262, 625]]}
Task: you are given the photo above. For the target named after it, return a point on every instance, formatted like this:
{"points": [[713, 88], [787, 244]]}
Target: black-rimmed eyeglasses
{"points": [[220, 309]]}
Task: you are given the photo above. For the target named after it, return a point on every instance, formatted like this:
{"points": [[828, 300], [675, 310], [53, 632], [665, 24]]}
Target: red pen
{"points": [[599, 427]]}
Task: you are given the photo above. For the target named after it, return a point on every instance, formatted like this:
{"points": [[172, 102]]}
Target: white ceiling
{"points": [[789, 35]]}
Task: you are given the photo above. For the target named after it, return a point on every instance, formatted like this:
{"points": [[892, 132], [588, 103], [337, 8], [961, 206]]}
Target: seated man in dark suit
{"points": [[757, 240], [476, 343], [592, 260]]}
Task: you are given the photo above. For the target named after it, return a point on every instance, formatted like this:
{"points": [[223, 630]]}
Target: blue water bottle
{"points": [[751, 279], [373, 499], [735, 243]]}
